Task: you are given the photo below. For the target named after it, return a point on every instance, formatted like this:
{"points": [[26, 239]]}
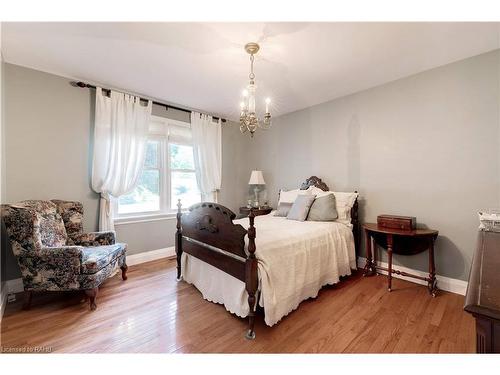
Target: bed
{"points": [[287, 262]]}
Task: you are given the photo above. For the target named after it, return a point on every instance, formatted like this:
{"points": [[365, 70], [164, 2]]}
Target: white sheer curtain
{"points": [[207, 148], [120, 137]]}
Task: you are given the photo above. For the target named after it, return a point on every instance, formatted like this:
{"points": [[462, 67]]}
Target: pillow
{"points": [[318, 192], [300, 207], [283, 209], [323, 208], [50, 224], [286, 201], [291, 195], [343, 203]]}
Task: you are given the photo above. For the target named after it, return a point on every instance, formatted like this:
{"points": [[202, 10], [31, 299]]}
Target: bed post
{"points": [[355, 225], [251, 277], [178, 241]]}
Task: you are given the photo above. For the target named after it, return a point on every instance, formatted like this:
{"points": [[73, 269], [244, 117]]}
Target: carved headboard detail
{"points": [[230, 215], [206, 223], [314, 181]]}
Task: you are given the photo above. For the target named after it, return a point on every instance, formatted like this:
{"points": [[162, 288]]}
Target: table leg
{"points": [[389, 261], [369, 270], [432, 284]]}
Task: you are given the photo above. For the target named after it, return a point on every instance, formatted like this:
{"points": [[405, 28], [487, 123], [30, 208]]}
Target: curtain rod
{"points": [[167, 106]]}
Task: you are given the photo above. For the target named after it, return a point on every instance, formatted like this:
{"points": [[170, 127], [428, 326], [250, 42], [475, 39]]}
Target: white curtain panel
{"points": [[120, 138], [207, 148]]}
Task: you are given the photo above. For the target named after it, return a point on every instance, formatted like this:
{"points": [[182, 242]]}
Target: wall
{"points": [[48, 135], [425, 146]]}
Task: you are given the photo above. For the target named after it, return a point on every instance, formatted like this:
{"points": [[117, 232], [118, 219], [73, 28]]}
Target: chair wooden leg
{"points": [[92, 294], [28, 294], [124, 269]]}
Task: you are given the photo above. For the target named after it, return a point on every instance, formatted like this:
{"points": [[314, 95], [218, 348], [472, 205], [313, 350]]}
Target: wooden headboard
{"points": [[316, 181]]}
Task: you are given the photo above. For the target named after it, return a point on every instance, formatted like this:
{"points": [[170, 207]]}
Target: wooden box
{"points": [[397, 222]]}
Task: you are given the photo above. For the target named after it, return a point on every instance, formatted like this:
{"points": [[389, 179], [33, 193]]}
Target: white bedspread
{"points": [[295, 259]]}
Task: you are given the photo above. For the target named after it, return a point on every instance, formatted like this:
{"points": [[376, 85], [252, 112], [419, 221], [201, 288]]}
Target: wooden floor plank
{"points": [[152, 313]]}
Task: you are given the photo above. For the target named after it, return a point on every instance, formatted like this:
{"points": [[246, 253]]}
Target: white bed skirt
{"points": [[295, 260], [215, 285]]}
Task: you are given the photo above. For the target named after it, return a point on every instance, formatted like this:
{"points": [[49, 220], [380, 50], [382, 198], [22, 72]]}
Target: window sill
{"points": [[145, 218]]}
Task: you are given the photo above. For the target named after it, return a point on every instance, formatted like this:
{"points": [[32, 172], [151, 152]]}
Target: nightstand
{"points": [[257, 211]]}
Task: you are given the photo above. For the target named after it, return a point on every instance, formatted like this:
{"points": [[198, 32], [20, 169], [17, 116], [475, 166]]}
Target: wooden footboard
{"points": [[208, 233]]}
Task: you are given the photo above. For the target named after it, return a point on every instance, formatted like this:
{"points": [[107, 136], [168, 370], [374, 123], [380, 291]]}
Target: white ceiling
{"points": [[204, 66]]}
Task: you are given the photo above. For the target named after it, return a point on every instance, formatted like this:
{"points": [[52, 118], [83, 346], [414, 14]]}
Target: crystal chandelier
{"points": [[248, 119]]}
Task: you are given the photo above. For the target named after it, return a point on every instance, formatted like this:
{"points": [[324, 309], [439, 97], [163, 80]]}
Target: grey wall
{"points": [[425, 146], [48, 133]]}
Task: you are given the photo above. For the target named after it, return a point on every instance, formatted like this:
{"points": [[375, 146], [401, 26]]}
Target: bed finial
{"points": [[251, 276], [178, 240]]}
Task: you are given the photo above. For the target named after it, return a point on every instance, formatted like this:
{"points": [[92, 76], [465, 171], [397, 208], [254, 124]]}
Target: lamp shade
{"points": [[256, 178]]}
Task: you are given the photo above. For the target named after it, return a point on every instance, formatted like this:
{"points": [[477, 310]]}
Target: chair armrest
{"points": [[61, 254], [94, 239]]}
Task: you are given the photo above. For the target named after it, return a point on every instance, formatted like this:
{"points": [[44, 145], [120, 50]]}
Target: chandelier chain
{"points": [[251, 75]]}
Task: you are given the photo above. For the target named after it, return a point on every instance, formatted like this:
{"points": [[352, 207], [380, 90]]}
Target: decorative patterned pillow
{"points": [[49, 224], [300, 207], [323, 209]]}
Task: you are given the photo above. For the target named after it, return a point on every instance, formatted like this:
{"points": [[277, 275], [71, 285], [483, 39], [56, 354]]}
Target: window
{"points": [[182, 176], [146, 196], [168, 175]]}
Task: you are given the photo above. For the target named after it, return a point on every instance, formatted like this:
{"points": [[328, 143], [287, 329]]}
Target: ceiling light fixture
{"points": [[248, 119]]}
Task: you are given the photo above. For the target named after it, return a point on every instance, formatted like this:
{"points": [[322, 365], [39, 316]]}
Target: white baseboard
{"points": [[16, 285], [149, 256], [444, 283]]}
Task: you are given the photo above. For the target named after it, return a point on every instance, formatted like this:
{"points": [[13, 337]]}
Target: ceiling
{"points": [[204, 66]]}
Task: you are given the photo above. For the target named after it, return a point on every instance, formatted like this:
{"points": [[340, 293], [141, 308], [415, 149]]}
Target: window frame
{"points": [[158, 133]]}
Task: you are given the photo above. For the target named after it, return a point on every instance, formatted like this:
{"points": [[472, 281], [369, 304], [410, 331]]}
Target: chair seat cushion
{"points": [[96, 258]]}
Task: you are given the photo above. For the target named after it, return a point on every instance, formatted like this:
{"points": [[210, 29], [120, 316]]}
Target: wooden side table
{"points": [[257, 211], [405, 242]]}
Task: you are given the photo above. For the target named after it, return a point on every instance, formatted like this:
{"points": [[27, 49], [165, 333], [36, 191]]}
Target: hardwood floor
{"points": [[151, 312]]}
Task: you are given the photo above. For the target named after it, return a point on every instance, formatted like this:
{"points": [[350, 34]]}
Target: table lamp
{"points": [[257, 180]]}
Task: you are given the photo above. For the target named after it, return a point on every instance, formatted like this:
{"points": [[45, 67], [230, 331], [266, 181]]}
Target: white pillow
{"points": [[291, 195], [318, 192], [343, 202]]}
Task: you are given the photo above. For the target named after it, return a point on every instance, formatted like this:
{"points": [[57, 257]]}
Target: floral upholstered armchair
{"points": [[54, 254]]}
